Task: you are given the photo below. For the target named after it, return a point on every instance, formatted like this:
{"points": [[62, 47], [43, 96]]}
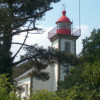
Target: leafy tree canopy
{"points": [[91, 47], [84, 81]]}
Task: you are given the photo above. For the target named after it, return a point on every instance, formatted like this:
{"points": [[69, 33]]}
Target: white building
{"points": [[63, 37]]}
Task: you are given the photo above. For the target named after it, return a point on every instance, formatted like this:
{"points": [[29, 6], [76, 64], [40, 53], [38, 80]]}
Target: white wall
{"points": [[23, 83], [62, 74], [54, 76], [55, 44], [50, 84], [62, 48], [62, 45], [72, 48]]}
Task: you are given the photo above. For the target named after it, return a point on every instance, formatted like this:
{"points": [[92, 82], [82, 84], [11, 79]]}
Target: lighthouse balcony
{"points": [[73, 32]]}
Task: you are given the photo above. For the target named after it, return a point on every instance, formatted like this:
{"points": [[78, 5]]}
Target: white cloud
{"points": [[40, 39], [85, 31]]}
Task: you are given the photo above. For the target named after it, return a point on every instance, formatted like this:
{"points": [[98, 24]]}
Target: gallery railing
{"points": [[74, 32]]}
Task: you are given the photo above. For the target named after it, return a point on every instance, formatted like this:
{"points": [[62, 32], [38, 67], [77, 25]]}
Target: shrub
{"points": [[44, 95], [6, 89]]}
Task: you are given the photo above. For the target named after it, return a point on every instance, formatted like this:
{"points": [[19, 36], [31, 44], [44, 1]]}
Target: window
{"points": [[59, 25], [67, 46], [64, 25], [26, 90]]}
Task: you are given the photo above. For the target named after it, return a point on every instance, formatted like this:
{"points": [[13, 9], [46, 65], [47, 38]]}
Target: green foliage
{"points": [[91, 74], [44, 95], [91, 47], [6, 86], [3, 87], [88, 90], [84, 82], [67, 83]]}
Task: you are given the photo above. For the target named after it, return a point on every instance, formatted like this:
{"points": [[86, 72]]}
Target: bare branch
{"points": [[20, 43], [17, 32], [26, 30], [20, 47]]}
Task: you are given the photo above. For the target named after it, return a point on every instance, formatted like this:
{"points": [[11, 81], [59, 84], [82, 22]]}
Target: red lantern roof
{"points": [[64, 18]]}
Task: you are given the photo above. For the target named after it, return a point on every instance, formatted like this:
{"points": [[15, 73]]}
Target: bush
{"points": [[44, 95], [6, 89], [86, 79]]}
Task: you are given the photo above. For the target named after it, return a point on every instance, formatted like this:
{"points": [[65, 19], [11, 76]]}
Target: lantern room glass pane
{"points": [[64, 25]]}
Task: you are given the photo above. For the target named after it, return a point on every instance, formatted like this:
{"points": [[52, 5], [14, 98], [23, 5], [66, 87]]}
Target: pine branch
{"points": [[17, 33], [25, 59], [35, 15]]}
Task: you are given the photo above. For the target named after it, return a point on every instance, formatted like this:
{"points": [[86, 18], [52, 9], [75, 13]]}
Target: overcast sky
{"points": [[90, 19]]}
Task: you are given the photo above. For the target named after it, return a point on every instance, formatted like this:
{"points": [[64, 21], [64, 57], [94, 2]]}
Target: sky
{"points": [[89, 19]]}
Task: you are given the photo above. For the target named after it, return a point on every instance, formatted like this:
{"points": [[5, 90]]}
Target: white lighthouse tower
{"points": [[63, 38]]}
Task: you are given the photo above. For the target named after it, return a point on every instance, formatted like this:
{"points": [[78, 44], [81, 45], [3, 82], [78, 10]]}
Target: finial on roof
{"points": [[64, 12]]}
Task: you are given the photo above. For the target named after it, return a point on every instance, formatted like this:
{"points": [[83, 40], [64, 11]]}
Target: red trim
{"points": [[64, 31], [64, 18]]}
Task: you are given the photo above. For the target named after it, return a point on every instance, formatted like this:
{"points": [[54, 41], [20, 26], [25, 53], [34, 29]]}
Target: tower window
{"points": [[26, 90], [67, 47]]}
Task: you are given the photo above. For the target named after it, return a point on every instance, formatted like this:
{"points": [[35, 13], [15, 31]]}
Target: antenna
{"points": [[72, 26], [79, 14]]}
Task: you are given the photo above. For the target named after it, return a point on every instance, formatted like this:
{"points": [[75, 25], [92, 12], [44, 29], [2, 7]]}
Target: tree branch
{"points": [[26, 18], [36, 15], [27, 58], [20, 43], [16, 33]]}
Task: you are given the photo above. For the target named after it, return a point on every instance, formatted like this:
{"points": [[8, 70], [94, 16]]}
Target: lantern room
{"points": [[64, 24], [64, 27]]}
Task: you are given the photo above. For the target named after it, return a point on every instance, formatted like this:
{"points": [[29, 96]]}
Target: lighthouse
{"points": [[63, 37]]}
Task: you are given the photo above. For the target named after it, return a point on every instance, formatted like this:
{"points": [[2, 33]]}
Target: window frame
{"points": [[64, 25]]}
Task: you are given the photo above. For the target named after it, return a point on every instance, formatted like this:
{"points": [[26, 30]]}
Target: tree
{"points": [[4, 84], [84, 79], [17, 16], [74, 78], [91, 47], [39, 59], [88, 88]]}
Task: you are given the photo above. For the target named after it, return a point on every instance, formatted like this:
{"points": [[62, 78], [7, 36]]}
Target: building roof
{"points": [[24, 75], [64, 18]]}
